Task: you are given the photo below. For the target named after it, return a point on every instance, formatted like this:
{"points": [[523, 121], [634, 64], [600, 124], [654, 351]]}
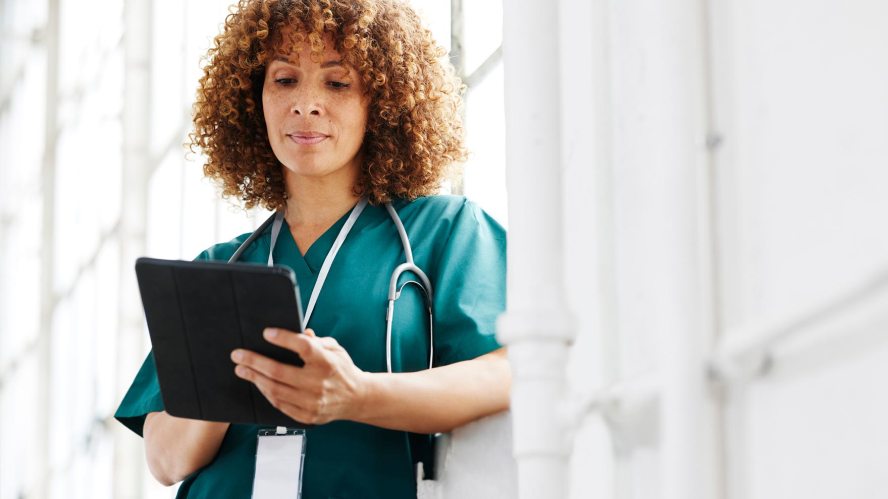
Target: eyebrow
{"points": [[327, 64]]}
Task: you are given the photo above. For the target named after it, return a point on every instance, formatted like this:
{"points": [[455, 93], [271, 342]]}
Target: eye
{"points": [[285, 81], [338, 85]]}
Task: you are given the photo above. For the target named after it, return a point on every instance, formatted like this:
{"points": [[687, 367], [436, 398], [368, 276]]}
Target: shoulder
{"points": [[451, 223], [448, 212], [442, 203], [223, 251]]}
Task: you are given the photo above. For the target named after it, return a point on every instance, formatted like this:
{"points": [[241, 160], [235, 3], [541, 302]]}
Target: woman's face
{"points": [[315, 113]]}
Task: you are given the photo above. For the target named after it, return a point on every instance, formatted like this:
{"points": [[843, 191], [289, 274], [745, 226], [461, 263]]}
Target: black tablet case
{"points": [[197, 313]]}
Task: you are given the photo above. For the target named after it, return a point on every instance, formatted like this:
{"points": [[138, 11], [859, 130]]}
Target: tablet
{"points": [[197, 313]]}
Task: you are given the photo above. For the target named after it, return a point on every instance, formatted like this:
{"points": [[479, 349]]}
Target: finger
{"points": [[303, 344], [276, 393], [284, 398], [268, 367], [329, 342]]}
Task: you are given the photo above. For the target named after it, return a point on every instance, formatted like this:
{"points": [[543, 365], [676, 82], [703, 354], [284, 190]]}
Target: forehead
{"points": [[292, 45]]}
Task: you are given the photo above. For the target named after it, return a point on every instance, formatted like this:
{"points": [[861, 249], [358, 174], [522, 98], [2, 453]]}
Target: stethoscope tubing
{"points": [[255, 235]]}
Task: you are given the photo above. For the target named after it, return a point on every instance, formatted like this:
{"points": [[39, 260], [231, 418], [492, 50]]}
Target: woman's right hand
{"points": [[177, 447]]}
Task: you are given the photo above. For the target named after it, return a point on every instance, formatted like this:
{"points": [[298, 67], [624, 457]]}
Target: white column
{"points": [[680, 116], [128, 454], [537, 328], [589, 245]]}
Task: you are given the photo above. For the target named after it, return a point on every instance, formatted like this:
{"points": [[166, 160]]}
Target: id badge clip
{"points": [[280, 454]]}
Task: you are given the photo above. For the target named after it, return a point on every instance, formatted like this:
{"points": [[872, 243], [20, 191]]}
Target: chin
{"points": [[304, 170]]}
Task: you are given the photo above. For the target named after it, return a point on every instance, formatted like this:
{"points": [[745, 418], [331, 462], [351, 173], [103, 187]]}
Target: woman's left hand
{"points": [[329, 387]]}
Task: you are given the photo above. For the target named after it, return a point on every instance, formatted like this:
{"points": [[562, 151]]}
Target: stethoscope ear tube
{"points": [[394, 291], [256, 233]]}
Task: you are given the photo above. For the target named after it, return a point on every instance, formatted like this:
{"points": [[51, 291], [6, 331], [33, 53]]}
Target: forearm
{"points": [[439, 399], [176, 447]]}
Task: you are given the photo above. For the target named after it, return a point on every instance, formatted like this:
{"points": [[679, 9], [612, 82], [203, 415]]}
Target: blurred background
{"points": [[719, 183]]}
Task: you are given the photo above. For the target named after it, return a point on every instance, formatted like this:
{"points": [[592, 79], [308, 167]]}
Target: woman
{"points": [[308, 107]]}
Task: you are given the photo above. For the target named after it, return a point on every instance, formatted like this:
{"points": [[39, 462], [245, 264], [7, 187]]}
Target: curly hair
{"points": [[414, 129]]}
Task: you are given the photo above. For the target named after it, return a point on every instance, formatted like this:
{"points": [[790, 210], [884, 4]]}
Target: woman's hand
{"points": [[329, 387]]}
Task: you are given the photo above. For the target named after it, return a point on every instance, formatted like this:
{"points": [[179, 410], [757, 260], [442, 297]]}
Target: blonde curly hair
{"points": [[414, 129]]}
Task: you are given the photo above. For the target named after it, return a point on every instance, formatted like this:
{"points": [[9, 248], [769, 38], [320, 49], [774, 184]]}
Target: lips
{"points": [[307, 138]]}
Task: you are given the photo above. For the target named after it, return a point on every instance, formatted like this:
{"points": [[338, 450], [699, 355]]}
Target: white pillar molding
{"points": [[537, 327]]}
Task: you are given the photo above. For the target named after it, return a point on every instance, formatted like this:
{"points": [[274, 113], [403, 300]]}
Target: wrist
{"points": [[367, 397]]}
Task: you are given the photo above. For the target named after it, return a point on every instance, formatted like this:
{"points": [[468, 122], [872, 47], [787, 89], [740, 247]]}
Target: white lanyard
{"points": [[328, 261]]}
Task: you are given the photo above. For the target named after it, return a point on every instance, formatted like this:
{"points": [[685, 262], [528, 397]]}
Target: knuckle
{"points": [[309, 353], [321, 391], [275, 371], [312, 407], [315, 389]]}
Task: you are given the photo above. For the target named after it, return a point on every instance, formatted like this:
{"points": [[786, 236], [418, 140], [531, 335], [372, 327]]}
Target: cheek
{"points": [[267, 106], [359, 122], [265, 109], [273, 103]]}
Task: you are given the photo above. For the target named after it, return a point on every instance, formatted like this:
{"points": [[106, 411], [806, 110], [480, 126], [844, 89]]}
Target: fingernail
{"points": [[240, 371], [271, 333], [237, 355]]}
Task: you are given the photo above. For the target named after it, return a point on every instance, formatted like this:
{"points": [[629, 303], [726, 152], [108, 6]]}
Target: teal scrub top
{"points": [[463, 252]]}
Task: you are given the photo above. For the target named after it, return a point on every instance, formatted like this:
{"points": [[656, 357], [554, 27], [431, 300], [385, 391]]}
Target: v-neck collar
{"points": [[286, 250]]}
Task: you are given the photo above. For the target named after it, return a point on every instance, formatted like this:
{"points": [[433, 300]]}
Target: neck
{"points": [[317, 203]]}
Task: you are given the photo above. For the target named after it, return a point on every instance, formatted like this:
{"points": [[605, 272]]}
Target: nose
{"points": [[307, 103], [306, 110]]}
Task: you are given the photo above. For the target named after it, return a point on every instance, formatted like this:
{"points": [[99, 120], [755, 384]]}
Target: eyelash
{"points": [[335, 85]]}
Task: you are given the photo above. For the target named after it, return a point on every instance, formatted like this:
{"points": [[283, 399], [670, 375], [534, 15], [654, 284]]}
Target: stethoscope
{"points": [[276, 221]]}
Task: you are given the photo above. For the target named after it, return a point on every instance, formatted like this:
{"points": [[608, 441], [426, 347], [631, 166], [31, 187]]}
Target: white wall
{"points": [[780, 109], [802, 100]]}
